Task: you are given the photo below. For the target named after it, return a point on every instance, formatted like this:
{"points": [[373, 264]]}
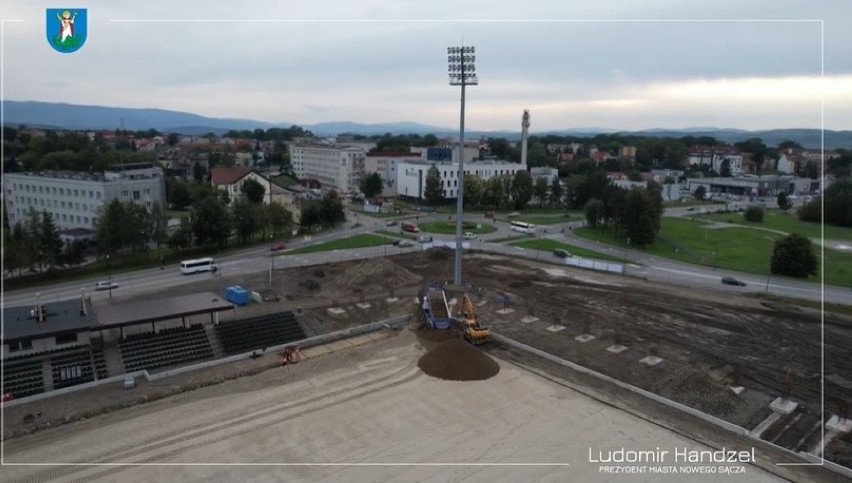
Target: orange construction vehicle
{"points": [[471, 330]]}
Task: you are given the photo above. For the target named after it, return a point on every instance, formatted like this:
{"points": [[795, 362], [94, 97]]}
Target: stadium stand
{"points": [[259, 332], [169, 347], [23, 377]]}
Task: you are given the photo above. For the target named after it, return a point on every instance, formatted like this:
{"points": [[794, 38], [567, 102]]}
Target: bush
{"points": [[754, 214], [793, 256]]}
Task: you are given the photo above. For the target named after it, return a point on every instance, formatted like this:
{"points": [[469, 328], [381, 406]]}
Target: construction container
{"points": [[237, 295]]}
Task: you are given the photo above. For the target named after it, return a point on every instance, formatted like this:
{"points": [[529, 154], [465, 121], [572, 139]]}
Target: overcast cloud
{"points": [[620, 74]]}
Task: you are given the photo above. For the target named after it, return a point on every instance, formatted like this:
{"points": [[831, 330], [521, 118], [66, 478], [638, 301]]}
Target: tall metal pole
{"points": [[462, 73]]}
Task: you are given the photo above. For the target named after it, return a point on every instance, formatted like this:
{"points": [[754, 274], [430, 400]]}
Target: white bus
{"points": [[194, 266], [523, 227]]}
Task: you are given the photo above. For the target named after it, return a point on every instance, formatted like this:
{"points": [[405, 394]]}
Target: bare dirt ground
{"points": [[707, 341]]}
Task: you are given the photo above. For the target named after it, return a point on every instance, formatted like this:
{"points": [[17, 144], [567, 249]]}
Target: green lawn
{"points": [[742, 249], [356, 241], [396, 234], [779, 220], [283, 180], [550, 245], [449, 228], [541, 219], [509, 238]]}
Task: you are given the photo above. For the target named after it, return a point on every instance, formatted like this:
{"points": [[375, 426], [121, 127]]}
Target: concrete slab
{"points": [[363, 305], [766, 423], [617, 349], [402, 417], [504, 311], [651, 360], [737, 389], [839, 425], [783, 406], [556, 328], [392, 300], [336, 311], [584, 338], [529, 319], [452, 302]]}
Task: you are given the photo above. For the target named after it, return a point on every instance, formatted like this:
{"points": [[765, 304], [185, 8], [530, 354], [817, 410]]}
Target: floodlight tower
{"points": [[462, 73]]}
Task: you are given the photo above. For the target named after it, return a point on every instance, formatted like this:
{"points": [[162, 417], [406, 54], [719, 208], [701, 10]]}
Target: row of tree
{"points": [[36, 245]]}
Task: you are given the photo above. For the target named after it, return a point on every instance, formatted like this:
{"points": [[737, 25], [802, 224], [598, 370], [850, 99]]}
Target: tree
{"points": [[725, 168], [331, 209], [433, 192], [172, 139], [372, 185], [74, 254], [641, 220], [278, 218], [783, 201], [812, 212], [158, 225], [179, 196], [211, 224], [793, 256], [522, 189], [556, 192], [700, 193], [198, 172], [310, 217], [753, 214], [253, 190], [474, 190], [14, 249], [594, 212], [181, 238], [247, 219], [540, 190], [838, 203], [493, 194], [49, 242]]}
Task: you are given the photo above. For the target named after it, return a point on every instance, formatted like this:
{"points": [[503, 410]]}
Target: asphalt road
{"points": [[260, 259]]}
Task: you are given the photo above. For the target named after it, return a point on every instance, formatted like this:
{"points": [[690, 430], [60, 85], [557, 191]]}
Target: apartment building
{"points": [[386, 165], [334, 166], [411, 176], [75, 198]]}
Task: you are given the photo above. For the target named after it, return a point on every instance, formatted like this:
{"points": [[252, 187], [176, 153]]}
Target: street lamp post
{"points": [[271, 261], [109, 277], [462, 72]]}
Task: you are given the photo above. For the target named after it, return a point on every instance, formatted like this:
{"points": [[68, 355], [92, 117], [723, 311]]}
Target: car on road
{"points": [[424, 239], [561, 253], [733, 281], [405, 244], [469, 236], [277, 247], [105, 285], [391, 223]]}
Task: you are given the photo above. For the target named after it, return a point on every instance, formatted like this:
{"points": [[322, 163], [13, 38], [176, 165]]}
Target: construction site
{"points": [[753, 364]]}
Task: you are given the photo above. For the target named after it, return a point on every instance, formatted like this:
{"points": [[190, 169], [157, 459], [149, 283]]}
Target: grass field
{"points": [[283, 180], [688, 203], [742, 249], [509, 238], [396, 234], [550, 245], [357, 241], [449, 228], [779, 220]]}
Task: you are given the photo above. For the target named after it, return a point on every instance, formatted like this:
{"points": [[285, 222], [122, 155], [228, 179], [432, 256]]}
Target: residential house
{"points": [[232, 179]]}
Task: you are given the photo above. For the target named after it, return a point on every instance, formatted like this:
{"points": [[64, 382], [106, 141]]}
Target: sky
{"points": [[615, 64]]}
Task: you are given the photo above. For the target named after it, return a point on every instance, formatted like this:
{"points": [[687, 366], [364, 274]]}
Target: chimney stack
{"points": [[525, 131]]}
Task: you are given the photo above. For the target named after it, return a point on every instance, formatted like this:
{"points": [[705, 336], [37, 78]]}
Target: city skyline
{"points": [[606, 65]]}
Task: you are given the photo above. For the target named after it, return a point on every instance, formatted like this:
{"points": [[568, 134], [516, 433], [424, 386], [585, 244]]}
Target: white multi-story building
{"points": [[411, 176], [74, 199], [386, 164], [334, 166], [715, 156]]}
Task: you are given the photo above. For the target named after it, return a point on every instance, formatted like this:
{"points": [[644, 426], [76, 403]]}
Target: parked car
{"points": [[733, 281], [391, 223], [561, 253], [469, 236], [105, 285], [277, 247]]}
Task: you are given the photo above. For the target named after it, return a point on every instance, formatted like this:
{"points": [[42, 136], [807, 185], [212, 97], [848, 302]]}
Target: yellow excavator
{"points": [[471, 330]]}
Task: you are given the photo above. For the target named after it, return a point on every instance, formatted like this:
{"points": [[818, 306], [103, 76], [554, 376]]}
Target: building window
{"points": [[124, 193], [136, 195], [61, 191], [54, 190], [76, 193], [99, 195], [91, 194]]}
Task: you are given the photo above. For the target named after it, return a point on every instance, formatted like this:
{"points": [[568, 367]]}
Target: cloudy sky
{"points": [[619, 64]]}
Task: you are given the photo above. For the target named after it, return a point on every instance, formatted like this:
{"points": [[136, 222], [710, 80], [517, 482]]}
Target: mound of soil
{"points": [[456, 360], [374, 276], [433, 335]]}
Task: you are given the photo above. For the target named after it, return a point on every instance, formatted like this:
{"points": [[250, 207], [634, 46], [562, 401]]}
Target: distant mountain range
{"points": [[49, 115]]}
